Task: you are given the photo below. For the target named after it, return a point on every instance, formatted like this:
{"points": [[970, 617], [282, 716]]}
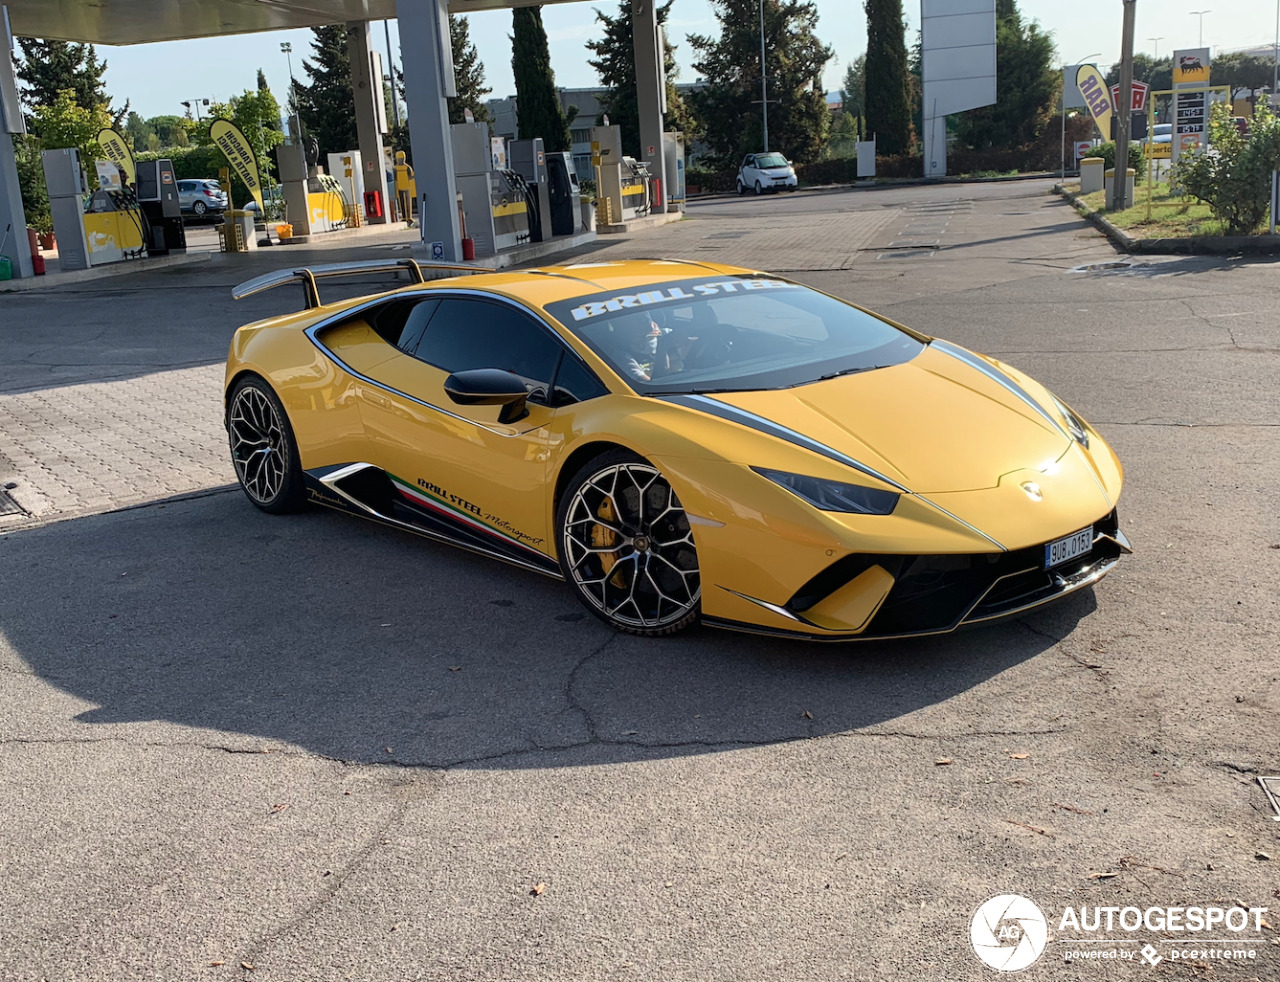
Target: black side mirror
{"points": [[490, 387]]}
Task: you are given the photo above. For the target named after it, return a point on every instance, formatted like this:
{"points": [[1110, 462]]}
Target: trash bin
{"points": [[1091, 174], [245, 238], [1128, 191]]}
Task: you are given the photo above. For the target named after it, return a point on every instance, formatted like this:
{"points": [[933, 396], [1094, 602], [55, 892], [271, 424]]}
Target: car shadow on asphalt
{"points": [[368, 645]]}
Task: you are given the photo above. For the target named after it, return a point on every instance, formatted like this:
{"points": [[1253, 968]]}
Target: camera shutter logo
{"points": [[1008, 932]]}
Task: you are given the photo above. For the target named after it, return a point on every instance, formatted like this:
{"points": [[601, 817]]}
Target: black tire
{"points": [[742, 188], [198, 208], [650, 584], [759, 189], [264, 452]]}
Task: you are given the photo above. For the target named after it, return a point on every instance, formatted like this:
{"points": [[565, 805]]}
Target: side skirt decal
{"points": [[371, 492]]}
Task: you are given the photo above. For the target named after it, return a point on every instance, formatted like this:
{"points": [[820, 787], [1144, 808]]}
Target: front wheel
{"points": [[742, 188], [199, 208], [263, 450], [627, 547], [759, 189]]}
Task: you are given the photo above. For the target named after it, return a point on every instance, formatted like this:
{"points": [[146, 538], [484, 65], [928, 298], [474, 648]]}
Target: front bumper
{"points": [[897, 596]]}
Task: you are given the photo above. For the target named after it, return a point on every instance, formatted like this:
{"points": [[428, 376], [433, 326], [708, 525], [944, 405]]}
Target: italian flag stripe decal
{"points": [[425, 499]]}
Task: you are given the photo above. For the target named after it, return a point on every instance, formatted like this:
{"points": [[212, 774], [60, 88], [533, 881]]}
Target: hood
{"points": [[936, 423]]}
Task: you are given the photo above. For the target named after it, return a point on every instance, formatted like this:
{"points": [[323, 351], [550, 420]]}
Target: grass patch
{"points": [[1172, 216]]}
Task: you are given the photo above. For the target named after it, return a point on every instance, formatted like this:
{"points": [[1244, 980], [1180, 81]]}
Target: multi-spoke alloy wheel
{"points": [[262, 448], [627, 547]]}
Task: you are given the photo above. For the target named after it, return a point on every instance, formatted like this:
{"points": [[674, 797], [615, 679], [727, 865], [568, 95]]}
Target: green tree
{"points": [[327, 106], [63, 123], [138, 132], [843, 138], [853, 90], [538, 110], [172, 131], [257, 114], [50, 67], [1235, 179], [1027, 93], [615, 63], [728, 108], [468, 73], [888, 109], [1158, 73]]}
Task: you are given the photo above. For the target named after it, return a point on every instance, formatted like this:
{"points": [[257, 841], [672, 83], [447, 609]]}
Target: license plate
{"points": [[1068, 548]]}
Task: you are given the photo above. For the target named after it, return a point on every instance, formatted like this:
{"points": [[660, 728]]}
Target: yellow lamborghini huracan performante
{"points": [[680, 441]]}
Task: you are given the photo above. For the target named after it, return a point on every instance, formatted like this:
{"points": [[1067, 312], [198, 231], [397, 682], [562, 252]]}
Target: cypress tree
{"points": [[888, 109], [468, 73], [538, 109]]}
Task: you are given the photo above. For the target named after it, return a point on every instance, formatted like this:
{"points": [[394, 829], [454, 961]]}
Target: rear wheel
{"points": [[627, 548], [263, 450]]}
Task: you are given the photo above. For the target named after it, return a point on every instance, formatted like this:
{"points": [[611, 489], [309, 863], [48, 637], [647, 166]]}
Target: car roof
{"points": [[551, 284]]}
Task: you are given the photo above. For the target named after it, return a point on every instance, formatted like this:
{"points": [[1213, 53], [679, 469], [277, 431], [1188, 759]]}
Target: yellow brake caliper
{"points": [[602, 537]]}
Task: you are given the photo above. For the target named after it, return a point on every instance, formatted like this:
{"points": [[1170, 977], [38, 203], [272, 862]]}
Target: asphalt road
{"points": [[324, 750]]}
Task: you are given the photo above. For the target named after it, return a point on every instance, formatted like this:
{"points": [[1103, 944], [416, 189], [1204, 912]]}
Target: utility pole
{"points": [[1120, 179], [764, 84], [391, 70], [1275, 84]]}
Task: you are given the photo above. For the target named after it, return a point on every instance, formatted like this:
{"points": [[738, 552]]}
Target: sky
{"points": [[157, 78]]}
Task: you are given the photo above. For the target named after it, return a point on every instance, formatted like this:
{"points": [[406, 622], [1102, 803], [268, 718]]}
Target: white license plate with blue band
{"points": [[1068, 548]]}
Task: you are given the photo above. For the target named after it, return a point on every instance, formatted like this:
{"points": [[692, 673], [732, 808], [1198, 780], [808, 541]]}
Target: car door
{"points": [[749, 174], [454, 468]]}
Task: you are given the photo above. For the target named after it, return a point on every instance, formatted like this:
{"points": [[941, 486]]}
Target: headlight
{"points": [[833, 495], [1074, 424]]}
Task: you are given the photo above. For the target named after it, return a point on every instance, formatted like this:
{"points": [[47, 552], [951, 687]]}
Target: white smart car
{"points": [[761, 172]]}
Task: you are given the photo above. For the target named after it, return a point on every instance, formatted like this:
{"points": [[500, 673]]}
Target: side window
{"points": [[575, 383], [401, 322], [468, 334]]}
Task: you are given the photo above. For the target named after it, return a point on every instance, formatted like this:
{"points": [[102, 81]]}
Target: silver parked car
{"points": [[202, 197], [761, 172]]}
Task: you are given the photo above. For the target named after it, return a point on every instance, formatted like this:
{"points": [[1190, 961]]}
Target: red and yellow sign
{"points": [[1097, 96], [117, 152], [231, 141]]}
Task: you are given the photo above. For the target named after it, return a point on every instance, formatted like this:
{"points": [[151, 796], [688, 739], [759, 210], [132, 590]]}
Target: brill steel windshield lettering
{"points": [[613, 305]]}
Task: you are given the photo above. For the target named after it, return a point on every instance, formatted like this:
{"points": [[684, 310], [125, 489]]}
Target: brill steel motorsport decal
{"points": [[595, 308], [452, 506]]}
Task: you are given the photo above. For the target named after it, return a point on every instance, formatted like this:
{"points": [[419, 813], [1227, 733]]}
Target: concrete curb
{"points": [[887, 183], [71, 277], [1196, 245]]}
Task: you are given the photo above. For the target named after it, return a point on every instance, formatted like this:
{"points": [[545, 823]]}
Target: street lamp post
{"points": [[196, 104], [764, 84], [1082, 61], [287, 48], [1200, 14], [1156, 47]]}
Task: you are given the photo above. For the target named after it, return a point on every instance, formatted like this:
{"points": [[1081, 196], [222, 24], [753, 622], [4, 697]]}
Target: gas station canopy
{"points": [[140, 21]]}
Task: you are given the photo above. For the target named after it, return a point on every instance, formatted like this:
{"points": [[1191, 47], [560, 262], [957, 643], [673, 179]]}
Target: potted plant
{"points": [[587, 191], [43, 224]]}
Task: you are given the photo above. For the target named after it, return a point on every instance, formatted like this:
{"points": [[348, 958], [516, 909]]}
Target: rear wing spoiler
{"points": [[307, 275]]}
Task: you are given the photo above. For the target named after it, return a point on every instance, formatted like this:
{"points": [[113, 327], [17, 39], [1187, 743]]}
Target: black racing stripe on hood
{"points": [[993, 373], [733, 414], [714, 407]]}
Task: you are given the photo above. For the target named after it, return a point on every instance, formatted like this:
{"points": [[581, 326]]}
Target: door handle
{"points": [[373, 397]]}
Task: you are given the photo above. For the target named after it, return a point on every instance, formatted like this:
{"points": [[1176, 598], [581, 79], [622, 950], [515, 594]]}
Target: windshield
{"points": [[1163, 129], [771, 160], [731, 334]]}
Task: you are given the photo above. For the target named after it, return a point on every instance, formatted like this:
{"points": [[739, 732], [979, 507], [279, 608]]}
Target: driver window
{"points": [[468, 334]]}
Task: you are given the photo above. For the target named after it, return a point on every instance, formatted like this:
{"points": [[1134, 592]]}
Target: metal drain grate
{"points": [[8, 506], [1271, 788], [908, 254], [1119, 264]]}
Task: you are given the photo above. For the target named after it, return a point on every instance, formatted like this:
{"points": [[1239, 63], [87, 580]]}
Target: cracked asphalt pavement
{"points": [[237, 746]]}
